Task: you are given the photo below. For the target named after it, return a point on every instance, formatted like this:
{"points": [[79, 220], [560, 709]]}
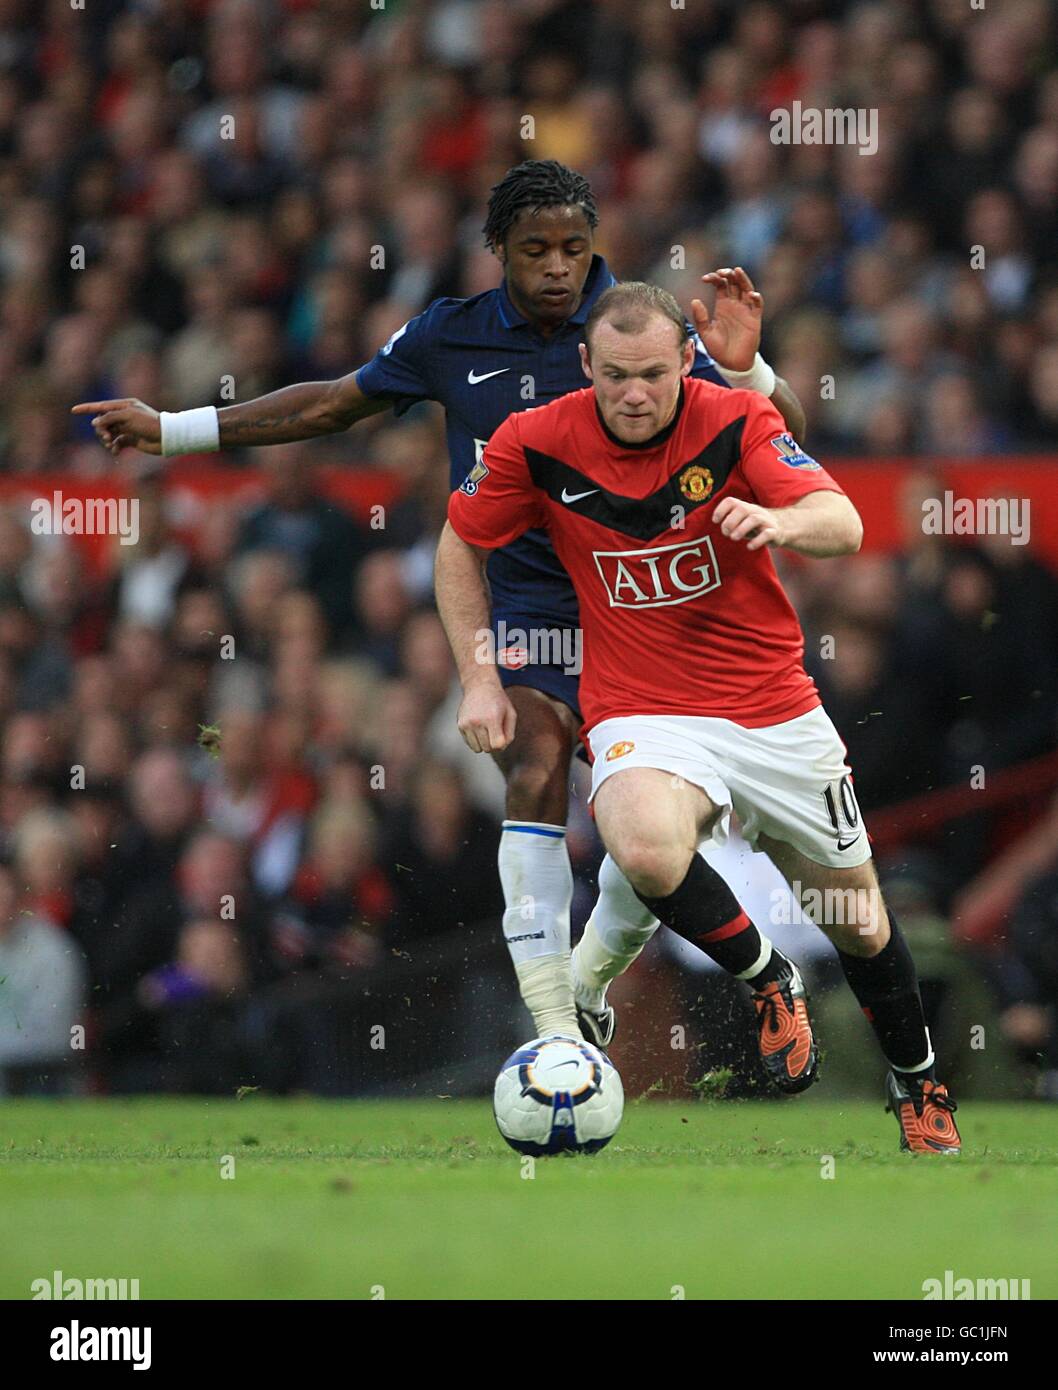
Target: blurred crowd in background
{"points": [[347, 835]]}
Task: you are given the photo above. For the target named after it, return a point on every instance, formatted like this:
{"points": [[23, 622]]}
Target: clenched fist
{"points": [[747, 521], [486, 718]]}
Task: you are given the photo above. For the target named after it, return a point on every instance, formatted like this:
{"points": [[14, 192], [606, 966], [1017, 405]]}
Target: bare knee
{"points": [[846, 904], [653, 869], [537, 776]]}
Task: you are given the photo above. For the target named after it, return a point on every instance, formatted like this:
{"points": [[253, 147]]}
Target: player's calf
{"points": [[614, 935], [880, 971], [535, 764], [705, 911], [534, 865], [536, 772]]}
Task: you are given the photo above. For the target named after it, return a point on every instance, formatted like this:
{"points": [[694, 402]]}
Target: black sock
{"points": [[706, 913], [886, 988]]}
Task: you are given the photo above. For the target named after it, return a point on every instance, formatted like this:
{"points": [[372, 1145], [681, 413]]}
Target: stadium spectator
{"points": [[443, 848], [1025, 970], [42, 983], [196, 1003], [261, 807], [321, 541]]}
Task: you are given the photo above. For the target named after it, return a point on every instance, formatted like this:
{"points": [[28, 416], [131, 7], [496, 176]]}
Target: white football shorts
{"points": [[789, 780]]}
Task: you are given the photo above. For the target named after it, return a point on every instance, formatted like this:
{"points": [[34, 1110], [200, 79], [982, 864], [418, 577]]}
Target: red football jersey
{"points": [[677, 618]]}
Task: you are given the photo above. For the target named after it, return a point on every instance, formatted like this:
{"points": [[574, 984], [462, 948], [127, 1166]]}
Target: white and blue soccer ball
{"points": [[558, 1095]]}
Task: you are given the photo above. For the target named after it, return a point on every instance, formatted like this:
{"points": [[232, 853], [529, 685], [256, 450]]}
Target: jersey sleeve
{"points": [[402, 367], [776, 467], [498, 500]]}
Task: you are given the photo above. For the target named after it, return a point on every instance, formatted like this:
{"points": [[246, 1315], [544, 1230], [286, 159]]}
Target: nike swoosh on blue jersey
{"points": [[485, 375]]}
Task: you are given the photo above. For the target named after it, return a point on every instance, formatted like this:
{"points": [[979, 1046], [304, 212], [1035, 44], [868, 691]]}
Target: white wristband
{"points": [[760, 377], [191, 431]]}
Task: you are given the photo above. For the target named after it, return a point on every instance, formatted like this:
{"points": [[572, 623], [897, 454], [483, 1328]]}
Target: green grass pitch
{"points": [[337, 1199]]}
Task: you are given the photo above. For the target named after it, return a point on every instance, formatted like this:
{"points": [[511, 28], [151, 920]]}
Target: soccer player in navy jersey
{"points": [[508, 349], [663, 496]]}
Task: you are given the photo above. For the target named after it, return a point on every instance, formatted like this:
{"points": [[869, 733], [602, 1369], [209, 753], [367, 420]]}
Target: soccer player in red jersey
{"points": [[663, 495]]}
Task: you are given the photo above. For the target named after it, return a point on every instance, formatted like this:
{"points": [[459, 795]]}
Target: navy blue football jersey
{"points": [[481, 360]]}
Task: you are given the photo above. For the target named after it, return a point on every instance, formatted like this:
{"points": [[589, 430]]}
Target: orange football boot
{"points": [[924, 1113], [787, 1047]]}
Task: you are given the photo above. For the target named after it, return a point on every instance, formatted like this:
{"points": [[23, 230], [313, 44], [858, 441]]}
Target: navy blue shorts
{"points": [[525, 648]]}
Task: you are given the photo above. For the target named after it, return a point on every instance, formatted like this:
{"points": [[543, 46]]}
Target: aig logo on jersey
{"points": [[791, 453], [663, 575]]}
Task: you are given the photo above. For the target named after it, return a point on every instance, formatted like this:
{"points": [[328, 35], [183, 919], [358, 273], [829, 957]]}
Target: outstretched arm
{"points": [[299, 412], [486, 716], [731, 334], [303, 411]]}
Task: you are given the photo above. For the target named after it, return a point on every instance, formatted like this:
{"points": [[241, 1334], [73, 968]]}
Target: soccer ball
{"points": [[558, 1095]]}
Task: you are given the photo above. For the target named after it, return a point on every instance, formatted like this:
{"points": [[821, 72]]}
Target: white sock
{"points": [[617, 930], [548, 994], [538, 891]]}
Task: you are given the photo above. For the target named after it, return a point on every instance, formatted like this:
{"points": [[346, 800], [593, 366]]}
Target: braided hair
{"points": [[535, 183]]}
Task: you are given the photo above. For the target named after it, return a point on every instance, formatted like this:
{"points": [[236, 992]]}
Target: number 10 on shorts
{"points": [[843, 811]]}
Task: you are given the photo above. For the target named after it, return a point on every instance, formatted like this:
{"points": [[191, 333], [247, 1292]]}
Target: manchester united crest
{"points": [[619, 750], [696, 483]]}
